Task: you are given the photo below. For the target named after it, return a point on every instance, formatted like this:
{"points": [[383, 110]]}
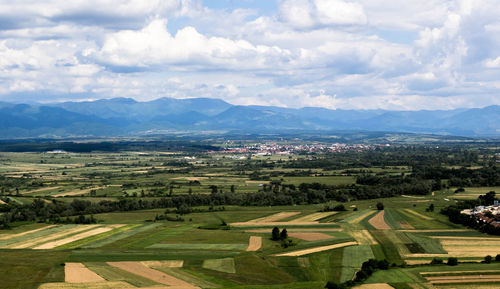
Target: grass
{"points": [[98, 237], [295, 267], [107, 255], [196, 236], [216, 247], [41, 233], [116, 274], [27, 268], [327, 180], [429, 245], [390, 276], [186, 276], [221, 265], [140, 240], [421, 223], [352, 259], [127, 232], [388, 248], [295, 285], [358, 215], [258, 270], [326, 266], [155, 233]]}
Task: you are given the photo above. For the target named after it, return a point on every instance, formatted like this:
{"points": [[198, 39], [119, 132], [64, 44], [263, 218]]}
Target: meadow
{"points": [[221, 245]]}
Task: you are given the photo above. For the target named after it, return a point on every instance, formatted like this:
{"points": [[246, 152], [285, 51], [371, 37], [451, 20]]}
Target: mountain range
{"points": [[128, 117]]}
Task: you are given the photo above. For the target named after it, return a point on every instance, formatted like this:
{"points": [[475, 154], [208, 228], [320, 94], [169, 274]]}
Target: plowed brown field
{"points": [[78, 273], [146, 272], [378, 222]]}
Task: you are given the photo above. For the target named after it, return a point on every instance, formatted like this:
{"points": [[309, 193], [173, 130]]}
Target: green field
{"points": [[192, 208]]}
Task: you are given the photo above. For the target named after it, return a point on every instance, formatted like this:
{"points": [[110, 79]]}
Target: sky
{"points": [[337, 54]]}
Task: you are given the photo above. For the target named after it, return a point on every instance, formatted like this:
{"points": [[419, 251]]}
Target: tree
{"points": [[497, 258], [331, 285], [431, 208], [488, 259], [452, 261], [275, 234], [283, 234], [214, 189], [232, 189], [380, 206]]}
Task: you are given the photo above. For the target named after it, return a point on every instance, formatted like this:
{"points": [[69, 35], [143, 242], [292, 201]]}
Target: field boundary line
{"points": [[12, 236], [317, 249], [51, 237], [419, 215], [57, 243]]}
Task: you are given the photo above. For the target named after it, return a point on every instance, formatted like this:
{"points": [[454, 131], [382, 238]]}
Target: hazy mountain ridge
{"points": [[124, 116]]}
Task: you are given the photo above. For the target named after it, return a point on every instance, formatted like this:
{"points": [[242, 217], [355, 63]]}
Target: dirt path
{"points": [[254, 243], [190, 178], [2, 202], [317, 249], [270, 224], [78, 273], [374, 286], [459, 272], [274, 217], [405, 225], [57, 243], [94, 285], [32, 242], [40, 190], [297, 230], [436, 231], [378, 221], [165, 263], [10, 236], [146, 272], [418, 214], [78, 192], [475, 239], [360, 217], [312, 236], [314, 217], [463, 279], [363, 237]]}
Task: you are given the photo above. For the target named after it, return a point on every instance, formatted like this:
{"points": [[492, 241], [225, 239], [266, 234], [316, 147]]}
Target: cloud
{"points": [[310, 14], [154, 45], [112, 13], [331, 53]]}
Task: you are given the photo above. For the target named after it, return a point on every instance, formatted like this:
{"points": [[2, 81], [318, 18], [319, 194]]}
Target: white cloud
{"points": [[154, 45], [330, 53], [314, 13], [29, 13], [492, 63]]}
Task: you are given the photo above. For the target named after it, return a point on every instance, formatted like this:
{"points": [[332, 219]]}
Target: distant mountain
{"points": [[128, 117], [145, 111]]}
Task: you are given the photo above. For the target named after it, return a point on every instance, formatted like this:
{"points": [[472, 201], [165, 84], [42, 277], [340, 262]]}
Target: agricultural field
{"points": [[199, 220]]}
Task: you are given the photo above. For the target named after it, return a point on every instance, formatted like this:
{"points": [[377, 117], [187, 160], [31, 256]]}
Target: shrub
{"points": [[380, 206], [283, 234], [452, 261], [275, 234], [488, 259], [436, 261]]}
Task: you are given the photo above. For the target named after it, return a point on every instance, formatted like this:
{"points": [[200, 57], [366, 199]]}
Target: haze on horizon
{"points": [[360, 54]]}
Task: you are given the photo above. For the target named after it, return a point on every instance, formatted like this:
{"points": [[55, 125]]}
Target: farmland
{"points": [[179, 219]]}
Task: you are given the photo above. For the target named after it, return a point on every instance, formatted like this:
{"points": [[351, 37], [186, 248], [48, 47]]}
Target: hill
{"points": [[128, 117]]}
